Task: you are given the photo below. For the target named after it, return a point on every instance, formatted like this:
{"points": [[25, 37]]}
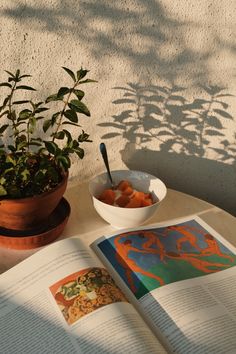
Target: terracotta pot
{"points": [[28, 213], [48, 232]]}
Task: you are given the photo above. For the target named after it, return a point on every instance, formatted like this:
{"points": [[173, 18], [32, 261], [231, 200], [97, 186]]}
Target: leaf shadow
{"points": [[184, 143], [93, 24]]}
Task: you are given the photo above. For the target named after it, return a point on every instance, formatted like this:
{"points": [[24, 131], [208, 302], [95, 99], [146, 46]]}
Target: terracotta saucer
{"points": [[40, 236]]}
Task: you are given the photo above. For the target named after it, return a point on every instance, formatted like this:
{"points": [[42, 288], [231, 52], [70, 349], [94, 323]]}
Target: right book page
{"points": [[181, 276]]}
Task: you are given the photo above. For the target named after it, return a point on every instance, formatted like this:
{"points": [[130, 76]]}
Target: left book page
{"points": [[63, 300]]}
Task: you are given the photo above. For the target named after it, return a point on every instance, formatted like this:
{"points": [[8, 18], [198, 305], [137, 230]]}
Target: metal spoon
{"points": [[103, 151]]}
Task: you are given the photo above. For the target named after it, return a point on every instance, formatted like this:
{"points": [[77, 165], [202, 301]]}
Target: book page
{"points": [[63, 300], [182, 278]]}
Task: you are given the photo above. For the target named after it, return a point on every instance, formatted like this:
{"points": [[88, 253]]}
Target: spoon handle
{"points": [[103, 151]]}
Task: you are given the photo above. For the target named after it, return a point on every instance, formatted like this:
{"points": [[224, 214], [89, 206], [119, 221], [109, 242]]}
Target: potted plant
{"points": [[35, 150]]}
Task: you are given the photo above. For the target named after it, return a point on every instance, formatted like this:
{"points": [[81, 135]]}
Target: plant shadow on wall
{"points": [[191, 151], [116, 29]]}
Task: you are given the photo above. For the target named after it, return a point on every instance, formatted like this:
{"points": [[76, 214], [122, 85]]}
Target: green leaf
{"points": [[9, 73], [54, 118], [51, 147], [59, 135], [81, 74], [32, 124], [42, 151], [3, 113], [34, 143], [5, 101], [10, 160], [75, 144], [79, 106], [83, 137], [39, 176], [63, 161], [43, 109], [36, 139], [21, 138], [71, 115], [36, 105], [71, 123], [12, 116], [8, 167], [5, 84], [68, 135], [25, 75], [72, 75], [11, 148], [24, 87], [2, 180], [79, 152], [63, 91], [20, 102], [46, 125], [18, 124], [87, 81], [17, 73], [25, 174], [26, 113], [12, 79], [79, 94], [2, 191], [3, 128], [21, 145], [53, 98]]}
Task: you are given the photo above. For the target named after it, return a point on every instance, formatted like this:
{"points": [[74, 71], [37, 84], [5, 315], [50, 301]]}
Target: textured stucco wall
{"points": [[161, 67]]}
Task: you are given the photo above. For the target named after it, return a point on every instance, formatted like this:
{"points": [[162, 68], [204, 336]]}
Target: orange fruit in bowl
{"points": [[125, 196]]}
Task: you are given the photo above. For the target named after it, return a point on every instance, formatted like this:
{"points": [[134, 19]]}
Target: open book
{"points": [[155, 289]]}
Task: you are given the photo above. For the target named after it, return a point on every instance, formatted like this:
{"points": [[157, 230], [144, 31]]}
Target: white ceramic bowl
{"points": [[127, 217]]}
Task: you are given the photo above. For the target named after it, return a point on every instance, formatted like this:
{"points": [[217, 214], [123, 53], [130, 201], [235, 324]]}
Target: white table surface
{"points": [[85, 222]]}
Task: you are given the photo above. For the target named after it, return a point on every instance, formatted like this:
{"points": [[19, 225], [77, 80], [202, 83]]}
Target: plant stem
{"points": [[63, 110], [10, 110], [28, 132]]}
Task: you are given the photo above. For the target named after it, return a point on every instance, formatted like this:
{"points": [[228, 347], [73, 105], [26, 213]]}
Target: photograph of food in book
{"points": [[83, 292], [149, 258]]}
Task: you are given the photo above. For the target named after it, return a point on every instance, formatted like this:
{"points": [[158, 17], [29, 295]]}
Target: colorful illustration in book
{"points": [[187, 236], [129, 265], [204, 266], [150, 258], [85, 291]]}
